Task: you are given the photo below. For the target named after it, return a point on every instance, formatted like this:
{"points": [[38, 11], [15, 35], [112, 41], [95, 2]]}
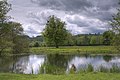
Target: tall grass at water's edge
{"points": [[113, 69], [48, 69]]}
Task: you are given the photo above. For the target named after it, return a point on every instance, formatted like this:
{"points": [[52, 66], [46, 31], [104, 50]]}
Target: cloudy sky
{"points": [[81, 16]]}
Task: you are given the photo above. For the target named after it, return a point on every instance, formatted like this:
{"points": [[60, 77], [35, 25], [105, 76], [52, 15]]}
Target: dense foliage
{"points": [[116, 28], [55, 32], [96, 39], [11, 33]]}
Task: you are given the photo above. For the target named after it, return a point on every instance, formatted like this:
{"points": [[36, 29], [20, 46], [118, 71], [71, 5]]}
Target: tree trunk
{"points": [[56, 45]]}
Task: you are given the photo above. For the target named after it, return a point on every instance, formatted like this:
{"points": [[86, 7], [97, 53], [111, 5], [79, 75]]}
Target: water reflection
{"points": [[22, 64], [54, 64], [95, 61]]}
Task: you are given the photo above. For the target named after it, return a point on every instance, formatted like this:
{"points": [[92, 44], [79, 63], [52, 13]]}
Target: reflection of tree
{"points": [[56, 64], [107, 58], [58, 60], [6, 62], [20, 65], [12, 63]]}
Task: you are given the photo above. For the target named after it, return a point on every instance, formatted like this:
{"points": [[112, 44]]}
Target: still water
{"points": [[53, 64]]}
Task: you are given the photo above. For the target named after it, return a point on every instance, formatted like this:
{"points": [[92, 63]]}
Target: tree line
{"points": [[95, 39]]}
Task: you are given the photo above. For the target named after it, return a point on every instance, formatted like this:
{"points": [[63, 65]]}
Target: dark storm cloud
{"points": [[77, 5], [96, 8], [105, 4], [68, 5]]}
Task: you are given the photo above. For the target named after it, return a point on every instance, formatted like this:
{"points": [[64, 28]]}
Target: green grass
{"points": [[82, 76], [75, 50]]}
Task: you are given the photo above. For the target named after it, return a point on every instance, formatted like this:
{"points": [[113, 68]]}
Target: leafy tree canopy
{"points": [[55, 32]]}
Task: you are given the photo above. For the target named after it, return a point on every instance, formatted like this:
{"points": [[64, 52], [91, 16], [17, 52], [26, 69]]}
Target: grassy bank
{"points": [[82, 76], [75, 50]]}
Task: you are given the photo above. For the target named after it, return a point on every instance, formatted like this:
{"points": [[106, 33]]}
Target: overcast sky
{"points": [[81, 16]]}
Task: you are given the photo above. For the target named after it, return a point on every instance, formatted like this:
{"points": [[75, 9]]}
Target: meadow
{"points": [[74, 50], [82, 76]]}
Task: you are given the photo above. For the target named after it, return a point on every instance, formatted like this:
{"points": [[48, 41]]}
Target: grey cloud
{"points": [[95, 8], [84, 21], [94, 30], [105, 4], [67, 5], [38, 18], [76, 5], [92, 15], [78, 21], [104, 15]]}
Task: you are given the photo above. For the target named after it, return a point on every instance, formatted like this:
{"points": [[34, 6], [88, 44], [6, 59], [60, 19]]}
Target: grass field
{"points": [[82, 76], [75, 50]]}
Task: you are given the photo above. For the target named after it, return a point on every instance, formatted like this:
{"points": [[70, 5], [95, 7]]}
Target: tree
{"points": [[96, 39], [21, 45], [4, 40], [115, 23], [19, 40], [93, 40], [4, 9], [108, 37], [82, 40], [14, 39], [11, 33], [69, 41], [36, 44], [77, 40], [86, 40], [116, 42], [55, 32]]}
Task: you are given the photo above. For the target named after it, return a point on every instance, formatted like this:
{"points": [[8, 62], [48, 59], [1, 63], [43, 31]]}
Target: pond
{"points": [[58, 64]]}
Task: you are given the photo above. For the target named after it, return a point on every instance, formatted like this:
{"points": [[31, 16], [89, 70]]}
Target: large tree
{"points": [[18, 39], [55, 32], [11, 33], [116, 22], [4, 9], [4, 40], [116, 28]]}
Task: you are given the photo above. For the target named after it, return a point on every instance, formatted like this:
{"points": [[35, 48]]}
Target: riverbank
{"points": [[81, 76], [69, 50], [74, 50]]}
